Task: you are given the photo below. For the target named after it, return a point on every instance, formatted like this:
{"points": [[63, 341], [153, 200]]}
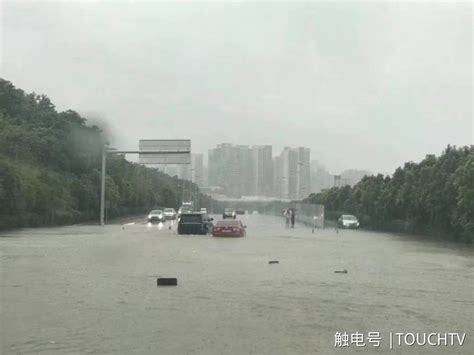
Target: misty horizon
{"points": [[365, 86]]}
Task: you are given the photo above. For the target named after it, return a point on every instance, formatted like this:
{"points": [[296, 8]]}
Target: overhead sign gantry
{"points": [[151, 151]]}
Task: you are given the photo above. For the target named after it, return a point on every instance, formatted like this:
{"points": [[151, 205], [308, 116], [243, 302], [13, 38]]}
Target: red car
{"points": [[233, 228]]}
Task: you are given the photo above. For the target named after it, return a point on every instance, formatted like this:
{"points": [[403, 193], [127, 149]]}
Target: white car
{"points": [[169, 213], [156, 216], [348, 221]]}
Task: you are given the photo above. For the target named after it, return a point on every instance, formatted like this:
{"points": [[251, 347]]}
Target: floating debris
{"points": [[167, 281]]}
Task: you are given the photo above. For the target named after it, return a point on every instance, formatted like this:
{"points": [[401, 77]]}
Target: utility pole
{"points": [[182, 194], [102, 186]]}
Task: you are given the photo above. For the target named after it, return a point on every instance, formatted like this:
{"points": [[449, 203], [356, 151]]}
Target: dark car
{"points": [[240, 211], [194, 223]]}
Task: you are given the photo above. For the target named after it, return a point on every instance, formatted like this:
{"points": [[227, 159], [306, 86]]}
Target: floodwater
{"points": [[91, 289]]}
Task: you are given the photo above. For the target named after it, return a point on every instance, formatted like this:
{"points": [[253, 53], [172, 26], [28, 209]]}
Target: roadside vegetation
{"points": [[434, 197], [50, 168]]}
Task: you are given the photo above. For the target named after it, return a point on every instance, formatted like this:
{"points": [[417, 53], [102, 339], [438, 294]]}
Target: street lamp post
{"points": [[102, 186]]}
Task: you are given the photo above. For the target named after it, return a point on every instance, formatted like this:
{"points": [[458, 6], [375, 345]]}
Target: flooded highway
{"points": [[90, 289]]}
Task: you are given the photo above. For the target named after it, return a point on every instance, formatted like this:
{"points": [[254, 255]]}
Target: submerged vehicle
{"points": [[229, 229], [348, 221], [195, 223]]}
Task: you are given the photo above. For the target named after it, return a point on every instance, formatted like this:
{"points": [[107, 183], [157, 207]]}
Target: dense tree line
{"points": [[434, 197], [50, 168]]}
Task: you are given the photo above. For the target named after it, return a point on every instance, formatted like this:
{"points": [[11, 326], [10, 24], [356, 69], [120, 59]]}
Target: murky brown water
{"points": [[87, 289]]}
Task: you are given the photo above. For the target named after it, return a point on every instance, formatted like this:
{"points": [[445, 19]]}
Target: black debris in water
{"points": [[273, 262], [341, 271], [167, 281]]}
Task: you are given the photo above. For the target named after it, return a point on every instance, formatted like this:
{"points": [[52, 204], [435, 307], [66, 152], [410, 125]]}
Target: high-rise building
{"points": [[246, 170], [184, 171], [303, 173], [197, 169], [277, 177], [292, 173], [353, 176], [230, 167], [205, 175], [241, 170], [262, 179], [320, 178], [218, 169]]}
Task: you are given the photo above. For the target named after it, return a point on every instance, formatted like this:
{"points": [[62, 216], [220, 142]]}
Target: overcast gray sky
{"points": [[365, 85]]}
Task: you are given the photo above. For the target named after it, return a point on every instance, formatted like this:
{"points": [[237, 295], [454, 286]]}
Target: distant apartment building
{"points": [[229, 167], [292, 173], [219, 171], [277, 177], [241, 170], [197, 169], [262, 179], [353, 176], [205, 175], [253, 171], [321, 179], [303, 181], [192, 172], [184, 171]]}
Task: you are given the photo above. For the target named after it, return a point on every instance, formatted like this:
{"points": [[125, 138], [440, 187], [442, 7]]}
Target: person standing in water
{"points": [[292, 213], [286, 213]]}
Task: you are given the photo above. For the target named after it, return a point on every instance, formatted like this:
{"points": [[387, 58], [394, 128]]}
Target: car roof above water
{"points": [[349, 216]]}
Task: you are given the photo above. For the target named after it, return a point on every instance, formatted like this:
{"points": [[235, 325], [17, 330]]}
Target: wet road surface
{"points": [[92, 290]]}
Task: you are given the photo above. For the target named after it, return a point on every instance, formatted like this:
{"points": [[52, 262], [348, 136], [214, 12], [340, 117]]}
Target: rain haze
{"points": [[362, 84], [326, 205]]}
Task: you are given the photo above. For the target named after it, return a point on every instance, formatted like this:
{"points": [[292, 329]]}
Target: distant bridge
{"points": [[245, 199], [310, 214], [262, 204]]}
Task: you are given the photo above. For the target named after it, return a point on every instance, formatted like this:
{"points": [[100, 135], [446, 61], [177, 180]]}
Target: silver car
{"points": [[156, 216], [169, 213], [348, 221]]}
